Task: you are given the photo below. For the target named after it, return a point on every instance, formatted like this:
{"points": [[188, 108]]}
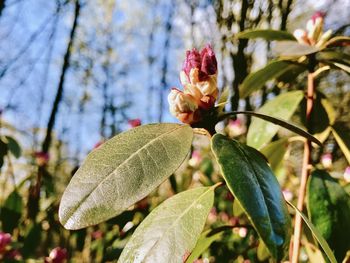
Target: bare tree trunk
{"points": [[34, 191], [163, 82], [2, 6]]}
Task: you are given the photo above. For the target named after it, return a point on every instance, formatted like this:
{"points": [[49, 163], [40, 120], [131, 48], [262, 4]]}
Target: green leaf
{"points": [[267, 34], [334, 41], [334, 56], [3, 151], [255, 187], [122, 171], [203, 243], [342, 66], [293, 49], [329, 210], [171, 230], [13, 146], [11, 212], [256, 80], [316, 234], [283, 106], [275, 152], [341, 134]]}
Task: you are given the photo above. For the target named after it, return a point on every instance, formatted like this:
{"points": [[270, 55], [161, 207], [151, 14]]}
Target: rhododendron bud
{"points": [[182, 106], [57, 255], [134, 123], [326, 160], [5, 239], [41, 158], [301, 36], [347, 174], [313, 35], [196, 159]]}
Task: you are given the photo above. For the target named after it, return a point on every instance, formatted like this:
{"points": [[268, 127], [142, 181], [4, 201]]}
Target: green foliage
{"points": [[323, 243], [122, 171], [273, 70], [267, 34], [294, 49], [11, 212], [203, 243], [283, 106], [329, 211], [171, 230], [342, 136], [246, 171], [275, 152]]}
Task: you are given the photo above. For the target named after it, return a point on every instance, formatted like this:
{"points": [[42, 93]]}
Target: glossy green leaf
{"points": [[342, 66], [122, 171], [293, 49], [267, 34], [171, 230], [203, 243], [277, 121], [275, 152], [255, 187], [283, 106], [13, 146], [317, 234], [256, 80], [11, 212], [341, 134], [334, 56], [329, 211]]}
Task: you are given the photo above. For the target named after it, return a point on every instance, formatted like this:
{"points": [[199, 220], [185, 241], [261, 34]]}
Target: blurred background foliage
{"points": [[74, 73]]}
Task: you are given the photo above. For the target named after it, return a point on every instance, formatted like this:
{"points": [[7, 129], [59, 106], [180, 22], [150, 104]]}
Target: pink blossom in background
{"points": [[41, 158], [5, 239], [134, 123], [326, 160], [347, 174], [57, 255]]}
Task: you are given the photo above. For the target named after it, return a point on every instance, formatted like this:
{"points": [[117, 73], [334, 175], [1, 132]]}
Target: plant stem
{"points": [[306, 161]]}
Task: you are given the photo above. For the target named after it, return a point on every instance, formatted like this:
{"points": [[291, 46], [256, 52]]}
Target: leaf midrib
{"points": [[111, 173]]}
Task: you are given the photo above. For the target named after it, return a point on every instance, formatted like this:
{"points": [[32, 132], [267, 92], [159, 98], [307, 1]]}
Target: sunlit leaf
{"points": [[316, 234], [342, 66], [170, 232], [267, 34], [342, 135], [203, 243], [283, 106], [256, 188], [122, 171], [337, 41], [293, 49], [275, 152], [274, 121], [329, 211], [256, 80]]}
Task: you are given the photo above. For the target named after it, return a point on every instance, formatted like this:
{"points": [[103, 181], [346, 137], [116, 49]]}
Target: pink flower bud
{"points": [[182, 106], [193, 60], [14, 254], [196, 159], [57, 255], [5, 239], [318, 15], [347, 174], [205, 62], [288, 195], [41, 158], [209, 64], [134, 123], [326, 160]]}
